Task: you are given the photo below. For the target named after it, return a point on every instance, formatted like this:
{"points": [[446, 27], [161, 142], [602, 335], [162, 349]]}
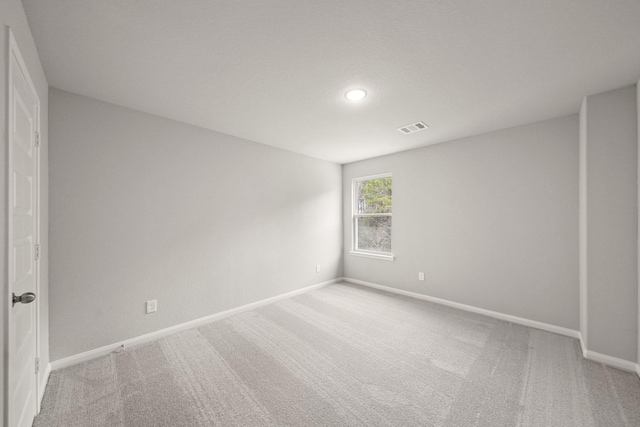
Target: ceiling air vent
{"points": [[414, 127]]}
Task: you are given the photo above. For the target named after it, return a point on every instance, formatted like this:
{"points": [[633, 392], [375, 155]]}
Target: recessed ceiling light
{"points": [[355, 94]]}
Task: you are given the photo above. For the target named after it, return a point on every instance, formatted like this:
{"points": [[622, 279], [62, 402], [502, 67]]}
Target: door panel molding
{"points": [[23, 224]]}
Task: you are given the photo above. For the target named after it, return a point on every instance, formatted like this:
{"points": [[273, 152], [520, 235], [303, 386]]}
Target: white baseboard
{"points": [[506, 317], [608, 360], [582, 345], [587, 354], [43, 384], [611, 361], [103, 351]]}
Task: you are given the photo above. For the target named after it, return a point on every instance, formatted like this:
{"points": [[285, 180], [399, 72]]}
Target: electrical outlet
{"points": [[318, 268], [421, 276], [152, 306]]}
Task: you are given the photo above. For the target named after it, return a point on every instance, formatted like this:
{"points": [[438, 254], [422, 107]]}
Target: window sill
{"points": [[372, 255]]}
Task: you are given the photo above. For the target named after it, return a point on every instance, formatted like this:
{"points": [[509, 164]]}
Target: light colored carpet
{"points": [[347, 356]]}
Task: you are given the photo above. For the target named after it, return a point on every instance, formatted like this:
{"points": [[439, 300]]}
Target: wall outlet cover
{"points": [[152, 306]]}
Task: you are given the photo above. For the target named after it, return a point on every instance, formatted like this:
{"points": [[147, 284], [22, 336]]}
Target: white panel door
{"points": [[22, 127]]}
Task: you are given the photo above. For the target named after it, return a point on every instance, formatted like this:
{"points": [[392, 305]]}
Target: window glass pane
{"points": [[373, 196], [374, 233]]}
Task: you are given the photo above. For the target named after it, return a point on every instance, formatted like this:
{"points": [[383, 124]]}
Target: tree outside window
{"points": [[372, 214]]}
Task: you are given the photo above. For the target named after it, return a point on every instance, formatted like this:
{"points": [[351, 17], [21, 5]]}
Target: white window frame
{"points": [[386, 256]]}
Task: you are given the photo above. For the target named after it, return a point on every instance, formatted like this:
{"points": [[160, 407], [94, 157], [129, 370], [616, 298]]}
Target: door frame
{"points": [[13, 50]]}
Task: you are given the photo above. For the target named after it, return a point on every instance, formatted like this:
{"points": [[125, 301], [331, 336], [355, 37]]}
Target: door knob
{"points": [[25, 298]]}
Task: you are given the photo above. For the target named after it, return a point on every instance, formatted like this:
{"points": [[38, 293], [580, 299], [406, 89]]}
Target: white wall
{"points": [[583, 227], [147, 208], [610, 174], [492, 220], [12, 15]]}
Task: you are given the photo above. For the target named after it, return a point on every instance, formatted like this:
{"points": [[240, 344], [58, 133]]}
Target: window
{"points": [[372, 201]]}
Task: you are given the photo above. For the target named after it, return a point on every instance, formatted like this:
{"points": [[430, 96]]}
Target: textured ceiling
{"points": [[276, 71]]}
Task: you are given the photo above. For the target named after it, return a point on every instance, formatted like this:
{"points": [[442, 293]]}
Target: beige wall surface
{"points": [[147, 208], [491, 220], [12, 16]]}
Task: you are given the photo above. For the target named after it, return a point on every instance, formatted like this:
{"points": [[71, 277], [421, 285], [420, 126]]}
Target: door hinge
{"points": [[37, 365], [37, 139], [37, 251]]}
